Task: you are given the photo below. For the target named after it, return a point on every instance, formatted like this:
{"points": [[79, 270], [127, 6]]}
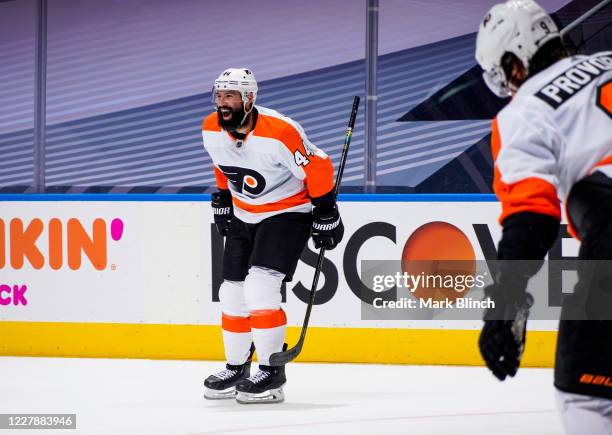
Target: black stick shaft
{"points": [[345, 147], [347, 142], [282, 358]]}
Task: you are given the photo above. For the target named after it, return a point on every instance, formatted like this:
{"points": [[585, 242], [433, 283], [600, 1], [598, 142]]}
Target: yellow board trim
{"points": [[349, 345]]}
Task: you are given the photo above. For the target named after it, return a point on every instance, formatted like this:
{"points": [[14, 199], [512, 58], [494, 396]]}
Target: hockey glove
{"points": [[222, 210], [327, 228], [502, 339]]}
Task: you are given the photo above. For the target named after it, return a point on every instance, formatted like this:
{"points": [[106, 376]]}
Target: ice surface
{"points": [[165, 397]]}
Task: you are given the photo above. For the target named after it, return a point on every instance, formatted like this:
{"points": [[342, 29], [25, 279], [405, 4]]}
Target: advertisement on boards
{"points": [[161, 262]]}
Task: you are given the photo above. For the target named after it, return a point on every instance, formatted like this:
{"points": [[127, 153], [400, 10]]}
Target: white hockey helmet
{"points": [[520, 27], [237, 79]]}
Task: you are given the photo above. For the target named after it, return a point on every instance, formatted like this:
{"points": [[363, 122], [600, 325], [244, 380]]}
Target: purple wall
{"points": [[105, 56]]}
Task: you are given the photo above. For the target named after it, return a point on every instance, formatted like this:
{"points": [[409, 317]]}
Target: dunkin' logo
{"points": [[67, 243], [14, 294]]}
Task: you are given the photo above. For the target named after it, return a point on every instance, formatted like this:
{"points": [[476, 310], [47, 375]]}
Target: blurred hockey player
{"points": [[275, 191], [551, 143]]}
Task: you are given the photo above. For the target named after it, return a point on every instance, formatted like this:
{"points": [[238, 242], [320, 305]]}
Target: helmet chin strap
{"points": [[246, 113]]}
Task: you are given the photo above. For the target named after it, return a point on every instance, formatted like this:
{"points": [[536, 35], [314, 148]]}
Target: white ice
{"points": [[165, 397]]}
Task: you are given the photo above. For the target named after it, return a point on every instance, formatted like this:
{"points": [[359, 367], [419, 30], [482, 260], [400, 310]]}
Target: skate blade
{"points": [[275, 395], [228, 393]]}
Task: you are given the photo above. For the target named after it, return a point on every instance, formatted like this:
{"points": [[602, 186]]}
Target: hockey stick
{"points": [[581, 18], [282, 358]]}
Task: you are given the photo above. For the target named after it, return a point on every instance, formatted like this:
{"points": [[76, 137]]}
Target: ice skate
{"points": [[222, 385], [265, 386]]}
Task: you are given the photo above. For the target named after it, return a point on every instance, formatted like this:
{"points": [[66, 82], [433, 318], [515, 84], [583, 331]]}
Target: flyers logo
{"points": [[245, 181]]}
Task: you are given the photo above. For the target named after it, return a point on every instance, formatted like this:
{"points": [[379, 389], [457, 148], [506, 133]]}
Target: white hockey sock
{"points": [[268, 320], [268, 329], [237, 338], [235, 322]]}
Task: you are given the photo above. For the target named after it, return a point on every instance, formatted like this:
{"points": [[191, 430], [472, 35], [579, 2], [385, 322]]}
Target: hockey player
{"points": [[275, 189], [551, 143]]}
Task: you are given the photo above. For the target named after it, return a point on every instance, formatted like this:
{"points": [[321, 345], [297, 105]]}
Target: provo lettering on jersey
{"points": [[568, 84]]}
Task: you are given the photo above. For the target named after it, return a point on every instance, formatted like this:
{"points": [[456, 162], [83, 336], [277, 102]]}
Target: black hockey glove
{"points": [[525, 240], [502, 339], [222, 209], [327, 227]]}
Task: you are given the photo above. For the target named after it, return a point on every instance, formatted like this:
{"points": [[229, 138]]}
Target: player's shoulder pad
{"points": [[210, 123], [523, 111], [520, 124], [272, 124]]}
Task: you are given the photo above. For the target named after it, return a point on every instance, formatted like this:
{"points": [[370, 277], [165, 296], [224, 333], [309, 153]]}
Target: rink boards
{"points": [[138, 276]]}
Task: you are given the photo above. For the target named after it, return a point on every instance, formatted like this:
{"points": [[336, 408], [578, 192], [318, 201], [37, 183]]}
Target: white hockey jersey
{"points": [[275, 169], [556, 130]]}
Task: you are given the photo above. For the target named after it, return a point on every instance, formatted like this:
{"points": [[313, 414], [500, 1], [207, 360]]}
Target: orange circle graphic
{"points": [[443, 257], [250, 181]]}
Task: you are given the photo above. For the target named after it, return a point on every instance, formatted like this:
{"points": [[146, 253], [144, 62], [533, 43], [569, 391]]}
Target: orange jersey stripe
{"points": [[531, 194], [319, 171], [210, 123], [319, 177], [528, 195], [292, 201], [265, 319], [235, 323], [604, 162], [604, 98], [221, 179], [495, 140]]}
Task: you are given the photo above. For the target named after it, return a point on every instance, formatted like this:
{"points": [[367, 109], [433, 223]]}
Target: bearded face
{"points": [[230, 118], [230, 110]]}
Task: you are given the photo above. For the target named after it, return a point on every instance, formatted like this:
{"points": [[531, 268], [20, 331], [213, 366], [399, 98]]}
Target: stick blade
{"points": [[282, 358]]}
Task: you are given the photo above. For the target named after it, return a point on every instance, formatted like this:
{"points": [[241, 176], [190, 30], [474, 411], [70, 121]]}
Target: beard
{"points": [[234, 123]]}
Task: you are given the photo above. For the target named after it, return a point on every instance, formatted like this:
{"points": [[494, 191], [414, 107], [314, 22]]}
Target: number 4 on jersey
{"points": [[300, 159]]}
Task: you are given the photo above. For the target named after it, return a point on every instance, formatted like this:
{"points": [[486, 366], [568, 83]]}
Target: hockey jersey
{"points": [[274, 169], [556, 130]]}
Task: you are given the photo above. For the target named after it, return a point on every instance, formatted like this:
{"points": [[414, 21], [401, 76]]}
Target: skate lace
{"points": [[225, 374], [259, 376]]}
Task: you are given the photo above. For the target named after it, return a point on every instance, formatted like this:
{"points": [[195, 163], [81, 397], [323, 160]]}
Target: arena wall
{"points": [[136, 276]]}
